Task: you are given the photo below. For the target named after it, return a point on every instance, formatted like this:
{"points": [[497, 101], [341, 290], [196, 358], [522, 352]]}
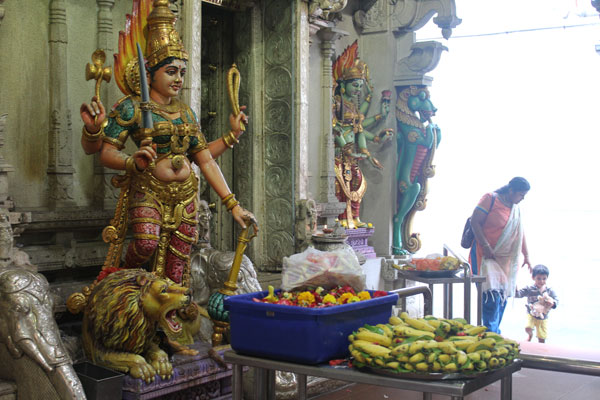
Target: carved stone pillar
{"points": [[192, 38], [5, 168], [1, 11], [330, 207], [60, 161], [106, 196]]}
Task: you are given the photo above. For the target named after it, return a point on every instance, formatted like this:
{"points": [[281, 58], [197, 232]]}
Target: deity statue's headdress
{"points": [[349, 65], [152, 25]]}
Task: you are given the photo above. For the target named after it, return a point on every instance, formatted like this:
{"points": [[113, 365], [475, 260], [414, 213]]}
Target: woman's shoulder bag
{"points": [[468, 235]]}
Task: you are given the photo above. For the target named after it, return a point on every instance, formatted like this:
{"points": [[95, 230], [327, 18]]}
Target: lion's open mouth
{"points": [[173, 324]]}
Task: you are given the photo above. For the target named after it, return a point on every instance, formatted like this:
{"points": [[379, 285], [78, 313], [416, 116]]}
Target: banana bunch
{"points": [[430, 345]]}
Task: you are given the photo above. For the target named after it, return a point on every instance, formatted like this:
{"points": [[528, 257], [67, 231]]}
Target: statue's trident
{"points": [[98, 72]]}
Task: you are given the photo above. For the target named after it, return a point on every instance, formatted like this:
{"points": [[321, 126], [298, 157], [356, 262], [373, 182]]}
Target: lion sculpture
{"points": [[122, 316]]}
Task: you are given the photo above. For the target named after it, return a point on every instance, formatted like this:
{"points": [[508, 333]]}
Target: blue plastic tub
{"points": [[298, 334]]}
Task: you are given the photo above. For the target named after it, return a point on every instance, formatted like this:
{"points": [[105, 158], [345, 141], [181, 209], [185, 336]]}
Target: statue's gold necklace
{"points": [[172, 108]]}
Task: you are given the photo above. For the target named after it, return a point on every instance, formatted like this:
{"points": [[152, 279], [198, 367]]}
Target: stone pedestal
{"points": [[358, 239], [194, 377]]}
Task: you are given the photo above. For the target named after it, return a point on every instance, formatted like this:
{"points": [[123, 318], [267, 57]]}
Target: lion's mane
{"points": [[114, 314]]}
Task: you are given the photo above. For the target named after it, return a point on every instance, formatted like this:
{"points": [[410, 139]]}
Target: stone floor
{"points": [[528, 384]]}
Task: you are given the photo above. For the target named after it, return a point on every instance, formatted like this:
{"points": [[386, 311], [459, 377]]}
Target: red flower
{"points": [[380, 293]]}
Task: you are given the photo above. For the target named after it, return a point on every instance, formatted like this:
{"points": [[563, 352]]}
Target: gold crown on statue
{"points": [[358, 70], [163, 40]]}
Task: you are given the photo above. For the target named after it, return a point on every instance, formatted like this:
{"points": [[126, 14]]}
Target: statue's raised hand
{"points": [[236, 121], [375, 162], [385, 108], [93, 115]]}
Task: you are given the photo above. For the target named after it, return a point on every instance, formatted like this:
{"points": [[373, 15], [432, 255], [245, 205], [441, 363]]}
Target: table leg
{"points": [[431, 290], [260, 383], [467, 300], [506, 388], [301, 386], [450, 300], [479, 302], [402, 283], [237, 381], [427, 396], [271, 384]]}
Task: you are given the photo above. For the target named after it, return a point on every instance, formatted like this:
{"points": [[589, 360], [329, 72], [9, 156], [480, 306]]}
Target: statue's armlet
{"points": [[122, 120], [197, 143]]}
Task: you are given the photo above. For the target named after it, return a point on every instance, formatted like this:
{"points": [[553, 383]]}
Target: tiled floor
{"points": [[528, 384]]}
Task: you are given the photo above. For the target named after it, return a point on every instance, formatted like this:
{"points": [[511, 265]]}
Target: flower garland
{"points": [[319, 297]]}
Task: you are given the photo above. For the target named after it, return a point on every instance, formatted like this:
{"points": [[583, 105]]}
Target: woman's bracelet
{"points": [[130, 166], [378, 117], [92, 137], [230, 202], [229, 139]]}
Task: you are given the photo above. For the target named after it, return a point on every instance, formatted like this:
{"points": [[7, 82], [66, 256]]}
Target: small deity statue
{"points": [[158, 197], [416, 144], [350, 125]]}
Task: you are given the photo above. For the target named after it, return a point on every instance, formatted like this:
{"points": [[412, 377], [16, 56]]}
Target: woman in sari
{"points": [[499, 239]]}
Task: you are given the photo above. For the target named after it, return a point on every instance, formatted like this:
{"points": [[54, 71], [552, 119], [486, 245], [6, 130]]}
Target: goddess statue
{"points": [[350, 125], [158, 200]]}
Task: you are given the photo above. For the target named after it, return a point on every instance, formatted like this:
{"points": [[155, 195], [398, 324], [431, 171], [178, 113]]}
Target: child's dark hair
{"points": [[540, 270]]}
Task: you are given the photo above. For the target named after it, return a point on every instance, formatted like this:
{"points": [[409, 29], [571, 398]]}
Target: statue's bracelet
{"points": [[92, 137]]}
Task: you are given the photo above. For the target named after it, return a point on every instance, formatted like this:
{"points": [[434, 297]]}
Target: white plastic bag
{"points": [[313, 268]]}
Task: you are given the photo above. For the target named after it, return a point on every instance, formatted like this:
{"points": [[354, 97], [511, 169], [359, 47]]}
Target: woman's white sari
{"points": [[501, 273]]}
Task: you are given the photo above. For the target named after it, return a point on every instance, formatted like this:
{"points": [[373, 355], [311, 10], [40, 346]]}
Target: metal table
{"points": [[264, 383], [448, 282]]}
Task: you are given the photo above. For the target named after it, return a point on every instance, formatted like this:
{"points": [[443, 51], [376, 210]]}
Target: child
{"points": [[540, 300]]}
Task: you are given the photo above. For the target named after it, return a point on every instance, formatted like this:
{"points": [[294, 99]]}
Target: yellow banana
{"points": [[406, 331], [481, 365], [461, 357], [444, 358], [386, 329], [465, 337], [484, 354], [476, 330], [358, 356], [371, 349], [396, 321], [436, 323], [379, 362], [408, 366], [432, 357], [474, 357], [447, 347], [451, 367], [416, 346], [401, 349], [423, 367], [417, 358], [373, 337], [494, 362], [462, 344], [402, 358], [420, 325], [488, 343], [393, 364], [351, 338], [436, 366]]}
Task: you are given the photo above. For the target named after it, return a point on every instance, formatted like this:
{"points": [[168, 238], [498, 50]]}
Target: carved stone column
{"points": [[330, 207], [60, 159], [5, 168], [192, 39], [106, 196], [1, 11]]}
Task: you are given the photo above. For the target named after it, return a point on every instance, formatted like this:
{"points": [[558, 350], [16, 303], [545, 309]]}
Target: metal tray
{"points": [[423, 376], [447, 273]]}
